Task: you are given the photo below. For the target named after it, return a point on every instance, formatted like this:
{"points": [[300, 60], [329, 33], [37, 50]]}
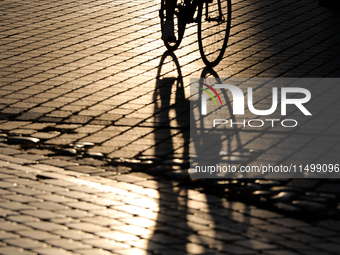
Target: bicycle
{"points": [[213, 18]]}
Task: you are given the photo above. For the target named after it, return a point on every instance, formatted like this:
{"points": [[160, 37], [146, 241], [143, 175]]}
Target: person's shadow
{"points": [[170, 118], [187, 220], [171, 108]]}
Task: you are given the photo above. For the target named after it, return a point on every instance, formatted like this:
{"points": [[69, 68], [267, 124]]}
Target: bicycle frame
{"points": [[190, 6], [220, 17]]}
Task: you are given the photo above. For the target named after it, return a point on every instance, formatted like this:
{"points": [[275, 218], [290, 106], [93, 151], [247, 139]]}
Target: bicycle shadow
{"points": [[220, 145], [188, 221]]}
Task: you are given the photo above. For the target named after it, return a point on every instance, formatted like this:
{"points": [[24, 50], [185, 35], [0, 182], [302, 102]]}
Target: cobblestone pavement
{"points": [[85, 71], [47, 209], [79, 72]]}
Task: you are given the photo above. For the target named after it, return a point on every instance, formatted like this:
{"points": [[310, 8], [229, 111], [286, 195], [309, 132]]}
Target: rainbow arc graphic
{"points": [[209, 93]]}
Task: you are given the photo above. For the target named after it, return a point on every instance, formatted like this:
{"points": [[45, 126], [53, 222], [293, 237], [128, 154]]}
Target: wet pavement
{"points": [[94, 141]]}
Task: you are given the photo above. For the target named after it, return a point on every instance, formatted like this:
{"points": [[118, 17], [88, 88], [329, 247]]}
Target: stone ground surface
{"points": [[48, 209], [86, 71], [89, 71]]}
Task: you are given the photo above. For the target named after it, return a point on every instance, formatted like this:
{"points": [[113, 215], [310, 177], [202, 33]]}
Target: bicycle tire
{"points": [[213, 33], [179, 26]]}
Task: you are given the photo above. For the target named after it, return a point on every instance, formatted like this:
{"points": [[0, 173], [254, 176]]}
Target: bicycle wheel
{"points": [[179, 26], [214, 19]]}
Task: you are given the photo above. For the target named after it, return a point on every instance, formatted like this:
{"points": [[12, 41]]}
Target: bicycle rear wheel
{"points": [[214, 19], [179, 26]]}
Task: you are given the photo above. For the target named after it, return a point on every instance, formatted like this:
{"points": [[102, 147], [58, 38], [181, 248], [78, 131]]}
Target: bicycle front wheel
{"points": [[179, 26], [214, 17]]}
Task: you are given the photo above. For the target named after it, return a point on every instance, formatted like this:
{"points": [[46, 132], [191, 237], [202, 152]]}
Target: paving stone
{"points": [[330, 247], [276, 229], [88, 227], [6, 185], [94, 251], [74, 194], [13, 166], [298, 246], [148, 245], [15, 206], [302, 183], [26, 243], [23, 218], [47, 226], [290, 223], [42, 214], [329, 188], [10, 250], [300, 237], [22, 198], [129, 178], [139, 221], [49, 206], [46, 167], [112, 213], [74, 234], [85, 206], [233, 249], [68, 244], [134, 230], [9, 151], [21, 181], [107, 244], [58, 183], [52, 251], [128, 186], [12, 226], [198, 239], [4, 212], [262, 214], [219, 235], [164, 252], [7, 235], [132, 251], [193, 248], [317, 232], [5, 176], [154, 184], [117, 236], [255, 245], [137, 211], [28, 191], [83, 189], [56, 198], [49, 188], [85, 169], [17, 160], [75, 213], [39, 235], [103, 221], [281, 252], [104, 201]]}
